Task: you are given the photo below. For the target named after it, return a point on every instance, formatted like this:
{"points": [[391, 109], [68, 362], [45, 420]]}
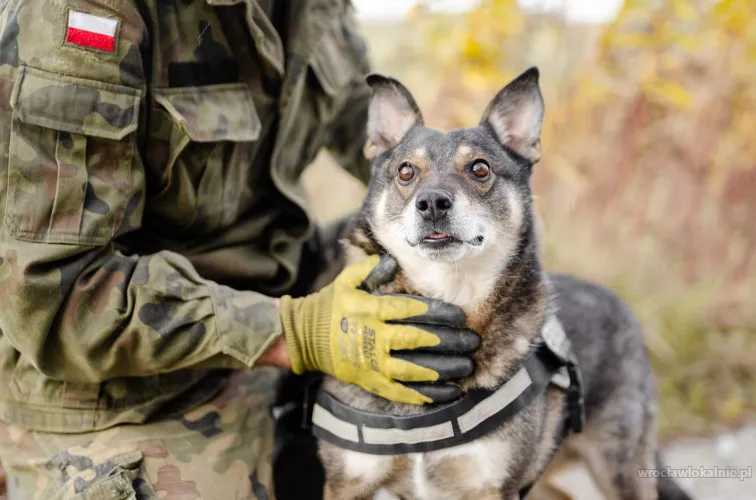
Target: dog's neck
{"points": [[505, 302]]}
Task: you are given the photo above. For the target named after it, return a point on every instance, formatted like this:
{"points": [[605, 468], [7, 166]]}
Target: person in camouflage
{"points": [[152, 217]]}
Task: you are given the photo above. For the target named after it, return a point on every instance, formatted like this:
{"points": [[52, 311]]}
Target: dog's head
{"points": [[456, 196]]}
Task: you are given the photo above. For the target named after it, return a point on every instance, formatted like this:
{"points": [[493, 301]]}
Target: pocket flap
{"points": [[331, 65], [116, 487], [75, 105], [213, 113], [110, 477]]}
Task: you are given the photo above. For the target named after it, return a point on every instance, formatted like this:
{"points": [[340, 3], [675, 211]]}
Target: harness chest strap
{"points": [[468, 418]]}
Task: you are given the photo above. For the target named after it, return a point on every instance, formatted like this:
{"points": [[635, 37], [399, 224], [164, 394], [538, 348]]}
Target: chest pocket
{"points": [[70, 158], [203, 142]]}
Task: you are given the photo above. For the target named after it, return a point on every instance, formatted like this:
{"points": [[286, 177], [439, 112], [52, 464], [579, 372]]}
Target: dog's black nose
{"points": [[433, 204]]}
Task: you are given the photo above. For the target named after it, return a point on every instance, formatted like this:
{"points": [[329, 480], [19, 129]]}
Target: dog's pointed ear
{"points": [[391, 114], [516, 115]]}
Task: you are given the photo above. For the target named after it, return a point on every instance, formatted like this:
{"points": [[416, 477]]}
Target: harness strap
{"points": [[468, 418], [574, 415], [563, 434]]}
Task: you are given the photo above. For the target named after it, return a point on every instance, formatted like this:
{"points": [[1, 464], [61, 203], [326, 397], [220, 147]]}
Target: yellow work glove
{"points": [[400, 347]]}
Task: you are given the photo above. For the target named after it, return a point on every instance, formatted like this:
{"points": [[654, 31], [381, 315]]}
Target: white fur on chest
{"points": [[485, 462], [466, 284]]}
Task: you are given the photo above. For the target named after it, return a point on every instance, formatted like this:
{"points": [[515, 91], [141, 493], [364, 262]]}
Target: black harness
{"points": [[477, 413]]}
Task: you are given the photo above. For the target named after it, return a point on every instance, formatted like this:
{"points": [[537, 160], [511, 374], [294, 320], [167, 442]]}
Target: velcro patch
{"points": [[90, 31], [197, 74]]}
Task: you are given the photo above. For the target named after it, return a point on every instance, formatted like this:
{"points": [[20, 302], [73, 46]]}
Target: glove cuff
{"points": [[306, 325]]}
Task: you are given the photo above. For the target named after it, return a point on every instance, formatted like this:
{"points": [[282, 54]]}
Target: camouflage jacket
{"points": [[150, 156]]}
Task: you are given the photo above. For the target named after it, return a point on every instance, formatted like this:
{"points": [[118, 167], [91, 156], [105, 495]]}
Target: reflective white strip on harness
{"points": [[496, 402], [325, 419], [410, 436], [503, 396]]}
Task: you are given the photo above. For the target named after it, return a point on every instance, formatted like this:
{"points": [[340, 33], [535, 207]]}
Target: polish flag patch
{"points": [[94, 32]]}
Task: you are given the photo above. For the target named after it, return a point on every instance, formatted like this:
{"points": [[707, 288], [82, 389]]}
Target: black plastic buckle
{"points": [[575, 403]]}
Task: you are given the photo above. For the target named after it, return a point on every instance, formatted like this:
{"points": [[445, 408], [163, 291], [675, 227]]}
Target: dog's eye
{"points": [[480, 170], [406, 172]]}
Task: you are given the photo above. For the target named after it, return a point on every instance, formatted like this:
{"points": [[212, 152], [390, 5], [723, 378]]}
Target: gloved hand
{"points": [[391, 345]]}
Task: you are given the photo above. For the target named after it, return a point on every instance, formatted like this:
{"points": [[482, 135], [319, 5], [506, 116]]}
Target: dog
{"points": [[455, 212]]}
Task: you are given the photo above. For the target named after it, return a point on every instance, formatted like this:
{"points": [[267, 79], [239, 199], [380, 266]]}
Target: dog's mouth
{"points": [[439, 240]]}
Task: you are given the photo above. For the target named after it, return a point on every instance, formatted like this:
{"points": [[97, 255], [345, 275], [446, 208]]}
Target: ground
{"points": [[736, 450]]}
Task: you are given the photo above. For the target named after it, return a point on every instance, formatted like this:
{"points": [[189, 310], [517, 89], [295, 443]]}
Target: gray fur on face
{"points": [[499, 281], [483, 212]]}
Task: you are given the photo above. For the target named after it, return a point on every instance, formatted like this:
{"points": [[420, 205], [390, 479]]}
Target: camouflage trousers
{"points": [[221, 450]]}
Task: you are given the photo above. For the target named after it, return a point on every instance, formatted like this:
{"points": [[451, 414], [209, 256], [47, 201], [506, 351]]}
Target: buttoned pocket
{"points": [[70, 158], [203, 142]]}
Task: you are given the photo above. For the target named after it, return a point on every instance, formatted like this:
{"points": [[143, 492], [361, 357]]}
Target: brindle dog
{"points": [[455, 211]]}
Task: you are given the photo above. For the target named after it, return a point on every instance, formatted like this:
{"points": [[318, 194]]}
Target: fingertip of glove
{"points": [[468, 340], [437, 393], [447, 367], [438, 313]]}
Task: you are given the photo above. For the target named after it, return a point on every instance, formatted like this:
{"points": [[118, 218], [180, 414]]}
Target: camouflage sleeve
{"points": [[71, 183], [347, 133]]}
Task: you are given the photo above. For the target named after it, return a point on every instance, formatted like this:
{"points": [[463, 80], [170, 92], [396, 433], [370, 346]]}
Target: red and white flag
{"points": [[96, 32]]}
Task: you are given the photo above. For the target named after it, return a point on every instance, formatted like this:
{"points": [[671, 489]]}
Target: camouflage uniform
{"points": [[151, 204]]}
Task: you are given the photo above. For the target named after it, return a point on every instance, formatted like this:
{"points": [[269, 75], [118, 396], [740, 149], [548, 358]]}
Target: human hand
{"points": [[404, 348]]}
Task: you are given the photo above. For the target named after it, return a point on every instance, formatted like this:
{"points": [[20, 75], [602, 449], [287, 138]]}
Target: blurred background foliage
{"points": [[647, 182]]}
